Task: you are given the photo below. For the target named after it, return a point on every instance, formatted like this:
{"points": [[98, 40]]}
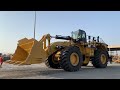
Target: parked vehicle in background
{"points": [[6, 56]]}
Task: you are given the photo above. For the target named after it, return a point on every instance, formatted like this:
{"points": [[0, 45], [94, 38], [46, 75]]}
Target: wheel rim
{"points": [[103, 59], [54, 60], [74, 59]]}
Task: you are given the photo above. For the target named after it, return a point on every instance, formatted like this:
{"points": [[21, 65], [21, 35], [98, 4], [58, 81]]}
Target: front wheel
{"points": [[71, 59], [52, 63]]}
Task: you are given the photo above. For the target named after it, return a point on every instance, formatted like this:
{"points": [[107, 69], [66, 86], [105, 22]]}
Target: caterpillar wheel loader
{"points": [[77, 50]]}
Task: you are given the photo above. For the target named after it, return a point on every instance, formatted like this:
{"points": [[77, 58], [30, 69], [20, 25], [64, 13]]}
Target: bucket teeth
{"points": [[23, 63], [11, 62], [7, 61], [17, 62]]}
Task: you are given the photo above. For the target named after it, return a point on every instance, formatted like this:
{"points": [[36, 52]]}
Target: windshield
{"points": [[76, 35]]}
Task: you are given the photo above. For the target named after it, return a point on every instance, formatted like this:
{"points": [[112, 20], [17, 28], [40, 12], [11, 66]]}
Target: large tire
{"points": [[51, 64], [66, 61], [100, 59]]}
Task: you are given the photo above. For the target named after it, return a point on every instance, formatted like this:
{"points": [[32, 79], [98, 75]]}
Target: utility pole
{"points": [[34, 24]]}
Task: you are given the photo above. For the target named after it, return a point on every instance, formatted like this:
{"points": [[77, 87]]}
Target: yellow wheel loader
{"points": [[75, 51]]}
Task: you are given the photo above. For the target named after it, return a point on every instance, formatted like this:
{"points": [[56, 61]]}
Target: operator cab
{"points": [[79, 35]]}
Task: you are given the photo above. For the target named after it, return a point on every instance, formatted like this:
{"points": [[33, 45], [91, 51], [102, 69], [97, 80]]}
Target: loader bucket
{"points": [[29, 51]]}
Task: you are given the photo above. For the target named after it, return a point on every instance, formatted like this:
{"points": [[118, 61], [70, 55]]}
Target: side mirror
{"points": [[98, 39], [89, 37], [93, 38]]}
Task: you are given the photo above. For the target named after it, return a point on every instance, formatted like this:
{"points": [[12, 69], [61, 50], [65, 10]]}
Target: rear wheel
{"points": [[100, 59], [71, 59], [51, 62]]}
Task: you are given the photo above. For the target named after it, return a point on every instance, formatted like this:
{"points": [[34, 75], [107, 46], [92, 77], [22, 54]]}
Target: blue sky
{"points": [[15, 25]]}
